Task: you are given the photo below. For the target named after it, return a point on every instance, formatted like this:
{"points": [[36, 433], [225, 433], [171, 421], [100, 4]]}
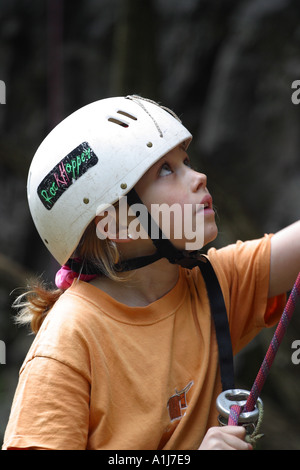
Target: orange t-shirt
{"points": [[102, 375]]}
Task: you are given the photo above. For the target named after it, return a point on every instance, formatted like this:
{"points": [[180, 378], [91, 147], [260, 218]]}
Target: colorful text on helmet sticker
{"points": [[65, 173]]}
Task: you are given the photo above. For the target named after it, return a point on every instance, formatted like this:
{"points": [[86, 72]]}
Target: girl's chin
{"points": [[211, 234]]}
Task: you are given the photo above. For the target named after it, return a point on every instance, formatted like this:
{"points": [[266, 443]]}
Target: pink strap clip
{"points": [[65, 277]]}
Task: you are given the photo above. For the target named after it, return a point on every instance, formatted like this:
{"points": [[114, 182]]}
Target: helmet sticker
{"points": [[65, 173]]}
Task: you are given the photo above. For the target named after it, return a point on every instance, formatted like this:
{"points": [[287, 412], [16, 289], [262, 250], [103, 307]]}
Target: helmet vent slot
{"points": [[117, 121], [130, 116]]}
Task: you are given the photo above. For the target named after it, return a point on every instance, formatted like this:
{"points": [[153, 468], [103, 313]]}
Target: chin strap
{"points": [[164, 248], [188, 260]]}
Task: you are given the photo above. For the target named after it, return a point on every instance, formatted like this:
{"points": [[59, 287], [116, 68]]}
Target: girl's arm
{"points": [[285, 259]]}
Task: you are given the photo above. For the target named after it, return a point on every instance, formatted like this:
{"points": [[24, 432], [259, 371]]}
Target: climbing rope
{"points": [[264, 370]]}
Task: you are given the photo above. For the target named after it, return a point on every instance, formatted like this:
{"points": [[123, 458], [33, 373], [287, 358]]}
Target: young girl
{"points": [[125, 354]]}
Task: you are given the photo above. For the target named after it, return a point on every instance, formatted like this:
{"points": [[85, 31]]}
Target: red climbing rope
{"points": [[264, 370]]}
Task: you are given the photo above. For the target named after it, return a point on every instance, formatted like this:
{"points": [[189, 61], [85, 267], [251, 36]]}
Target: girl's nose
{"points": [[199, 181]]}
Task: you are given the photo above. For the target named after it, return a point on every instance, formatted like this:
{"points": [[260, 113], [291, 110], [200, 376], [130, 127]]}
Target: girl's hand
{"points": [[225, 438]]}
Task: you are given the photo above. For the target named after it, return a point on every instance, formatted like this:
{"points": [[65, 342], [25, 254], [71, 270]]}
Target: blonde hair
{"points": [[34, 305]]}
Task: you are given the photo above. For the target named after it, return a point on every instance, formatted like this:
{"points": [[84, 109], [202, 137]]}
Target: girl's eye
{"points": [[188, 163], [165, 170]]}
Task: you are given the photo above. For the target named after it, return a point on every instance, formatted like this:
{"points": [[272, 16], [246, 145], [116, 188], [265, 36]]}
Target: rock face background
{"points": [[226, 67]]}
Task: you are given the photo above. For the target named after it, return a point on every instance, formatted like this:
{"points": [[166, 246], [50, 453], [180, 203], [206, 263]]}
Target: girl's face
{"points": [[172, 181]]}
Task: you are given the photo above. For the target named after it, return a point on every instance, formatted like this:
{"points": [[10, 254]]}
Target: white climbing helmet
{"points": [[93, 158]]}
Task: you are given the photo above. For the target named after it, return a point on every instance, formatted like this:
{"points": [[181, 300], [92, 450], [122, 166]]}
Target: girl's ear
{"points": [[107, 226]]}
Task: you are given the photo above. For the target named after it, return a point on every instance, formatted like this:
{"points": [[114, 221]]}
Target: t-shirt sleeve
{"points": [[243, 270], [51, 408]]}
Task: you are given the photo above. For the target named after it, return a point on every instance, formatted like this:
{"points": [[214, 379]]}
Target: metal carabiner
{"points": [[239, 397]]}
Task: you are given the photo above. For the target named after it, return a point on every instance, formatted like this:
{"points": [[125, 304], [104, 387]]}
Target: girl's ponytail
{"points": [[34, 305]]}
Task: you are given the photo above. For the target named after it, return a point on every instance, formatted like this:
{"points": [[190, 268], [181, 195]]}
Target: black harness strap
{"points": [[219, 314], [218, 310]]}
